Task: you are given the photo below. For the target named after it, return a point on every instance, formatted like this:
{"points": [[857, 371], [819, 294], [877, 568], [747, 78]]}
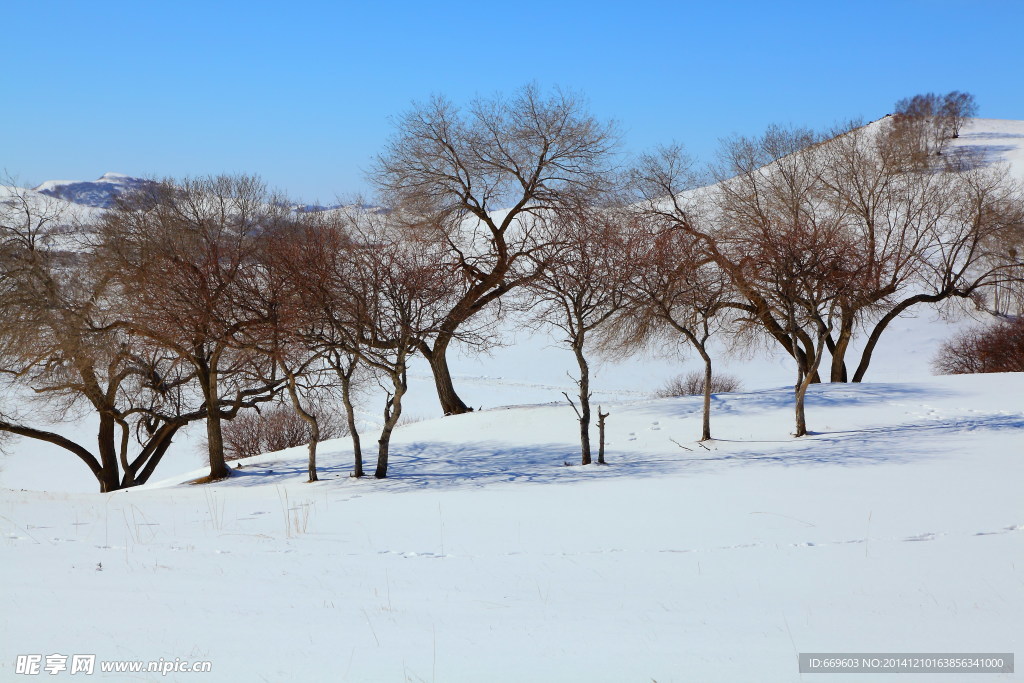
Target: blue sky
{"points": [[303, 93]]}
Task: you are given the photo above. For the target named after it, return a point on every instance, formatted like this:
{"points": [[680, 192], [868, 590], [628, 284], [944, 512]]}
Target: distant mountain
{"points": [[99, 193]]}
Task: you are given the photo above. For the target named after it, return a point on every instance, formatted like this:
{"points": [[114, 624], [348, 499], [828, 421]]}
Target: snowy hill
{"points": [[45, 204], [997, 141], [99, 193], [896, 526]]}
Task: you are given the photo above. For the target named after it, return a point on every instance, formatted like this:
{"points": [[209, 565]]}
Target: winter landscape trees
{"points": [[581, 284], [477, 181], [210, 298]]}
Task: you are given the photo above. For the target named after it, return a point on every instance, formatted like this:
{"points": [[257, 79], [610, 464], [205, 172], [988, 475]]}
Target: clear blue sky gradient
{"points": [[304, 93]]}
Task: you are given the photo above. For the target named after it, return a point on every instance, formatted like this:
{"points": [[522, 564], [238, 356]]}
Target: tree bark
{"points": [[806, 378], [838, 350], [109, 474], [314, 427], [350, 417], [705, 429], [451, 403], [392, 411], [584, 385], [215, 438], [876, 333], [67, 444], [801, 417], [154, 450]]}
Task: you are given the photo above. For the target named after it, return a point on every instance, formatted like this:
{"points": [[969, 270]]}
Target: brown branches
{"points": [[475, 182]]}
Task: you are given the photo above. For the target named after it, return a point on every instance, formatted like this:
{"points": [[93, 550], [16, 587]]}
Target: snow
{"points": [[896, 526], [997, 141], [115, 178], [69, 211]]}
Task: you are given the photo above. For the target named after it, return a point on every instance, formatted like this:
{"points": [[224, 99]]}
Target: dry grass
{"points": [[692, 384]]}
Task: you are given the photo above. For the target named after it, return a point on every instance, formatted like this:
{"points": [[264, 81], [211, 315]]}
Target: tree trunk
{"points": [[383, 446], [127, 473], [876, 333], [705, 431], [154, 451], [838, 350], [314, 426], [801, 419], [584, 385], [392, 411], [451, 404], [109, 474], [350, 417], [600, 436], [314, 439], [57, 440], [806, 378], [215, 438]]}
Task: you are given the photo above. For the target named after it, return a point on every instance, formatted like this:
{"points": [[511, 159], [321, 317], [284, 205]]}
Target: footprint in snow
{"points": [[921, 537]]}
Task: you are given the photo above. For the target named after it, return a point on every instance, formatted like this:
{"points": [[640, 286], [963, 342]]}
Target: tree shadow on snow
{"points": [[423, 464], [781, 398], [869, 446]]}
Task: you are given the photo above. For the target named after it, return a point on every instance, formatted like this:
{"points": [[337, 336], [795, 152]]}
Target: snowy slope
{"points": [[99, 193], [43, 203], [534, 367], [897, 526], [996, 140]]}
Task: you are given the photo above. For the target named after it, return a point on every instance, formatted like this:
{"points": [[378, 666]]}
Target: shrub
{"points": [[998, 347], [692, 384], [274, 429]]}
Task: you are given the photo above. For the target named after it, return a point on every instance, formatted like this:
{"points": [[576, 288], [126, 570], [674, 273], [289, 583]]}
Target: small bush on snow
{"points": [[692, 384], [998, 347]]}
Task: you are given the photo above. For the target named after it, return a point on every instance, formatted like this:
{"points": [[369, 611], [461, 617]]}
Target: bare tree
{"points": [[923, 234], [674, 290], [283, 326], [580, 286], [398, 293], [672, 194], [179, 251], [917, 121], [891, 209], [56, 341], [805, 268], [956, 108], [955, 253], [929, 120], [474, 180], [317, 260]]}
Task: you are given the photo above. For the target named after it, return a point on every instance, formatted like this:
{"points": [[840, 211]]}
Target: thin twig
{"points": [[572, 404]]}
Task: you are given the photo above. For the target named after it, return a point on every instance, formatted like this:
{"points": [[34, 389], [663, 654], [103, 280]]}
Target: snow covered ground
{"points": [[897, 526]]}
